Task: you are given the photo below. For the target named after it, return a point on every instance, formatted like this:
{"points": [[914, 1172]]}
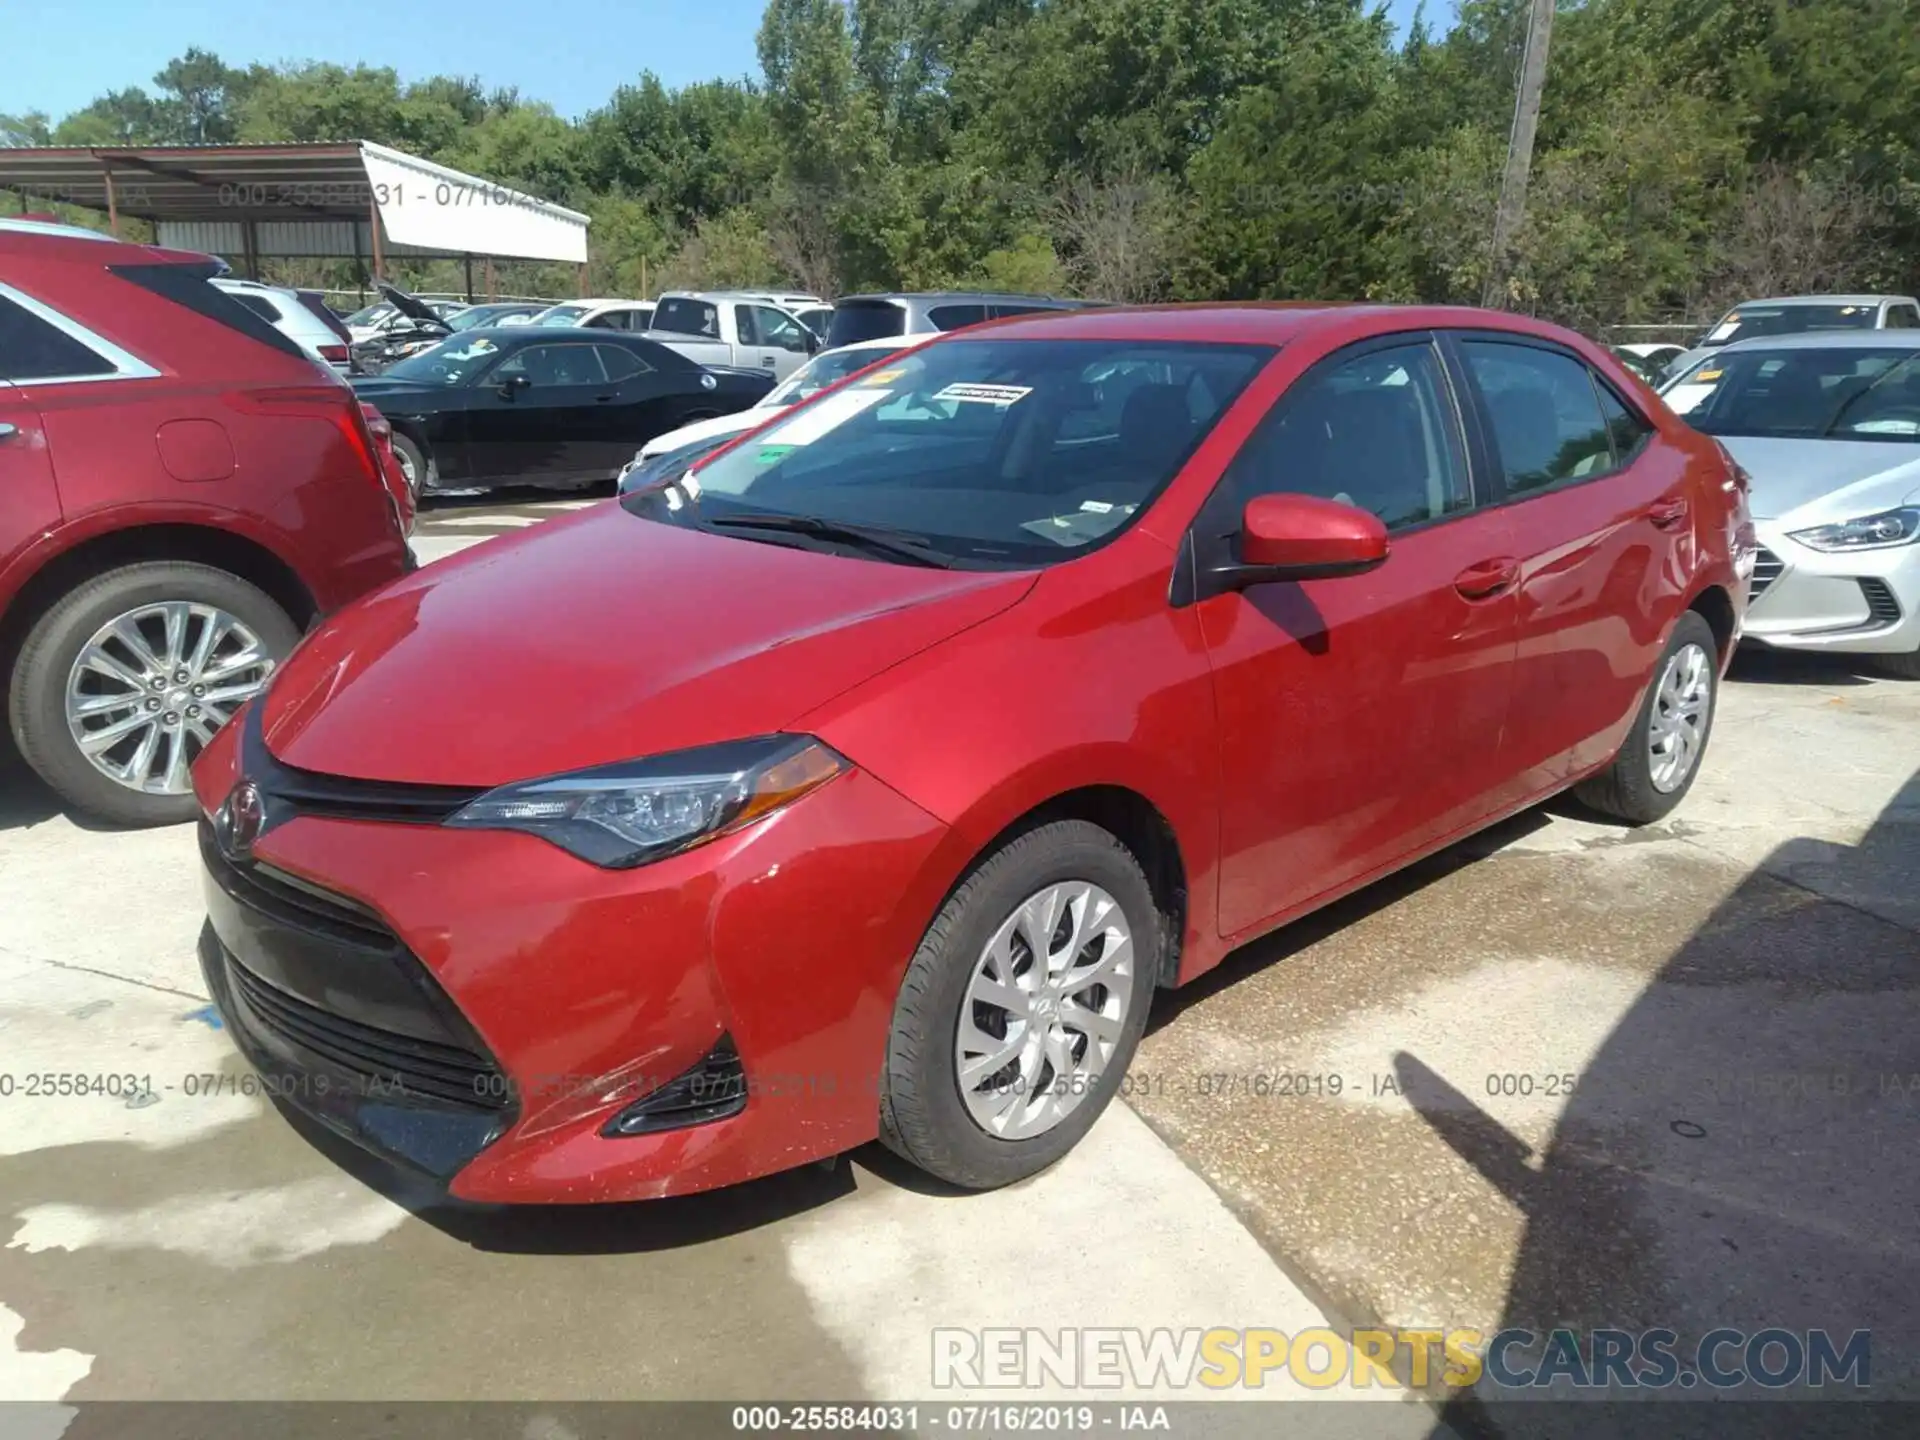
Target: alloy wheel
{"points": [[150, 689], [1677, 728], [1044, 1010]]}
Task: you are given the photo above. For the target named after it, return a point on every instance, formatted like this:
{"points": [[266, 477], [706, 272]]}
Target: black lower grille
{"points": [[385, 1063], [1766, 569], [712, 1090], [1882, 608]]}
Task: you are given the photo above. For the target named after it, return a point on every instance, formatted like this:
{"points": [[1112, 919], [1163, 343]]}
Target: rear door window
{"points": [[1545, 415], [856, 320], [952, 317], [683, 315]]}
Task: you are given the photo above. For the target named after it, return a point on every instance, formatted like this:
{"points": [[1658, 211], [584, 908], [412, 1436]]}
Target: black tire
{"points": [[1625, 789], [413, 463], [923, 1117], [37, 693]]}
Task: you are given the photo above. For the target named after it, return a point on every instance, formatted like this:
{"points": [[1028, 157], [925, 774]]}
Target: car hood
{"points": [[413, 309], [707, 429], [601, 637], [1823, 480]]}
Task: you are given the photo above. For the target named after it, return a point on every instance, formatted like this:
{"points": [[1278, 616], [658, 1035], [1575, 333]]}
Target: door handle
{"points": [[1668, 513], [601, 399], [1484, 579], [7, 432]]}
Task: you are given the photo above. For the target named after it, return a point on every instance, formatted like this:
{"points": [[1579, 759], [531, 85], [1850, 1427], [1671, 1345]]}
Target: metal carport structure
{"points": [[335, 200]]}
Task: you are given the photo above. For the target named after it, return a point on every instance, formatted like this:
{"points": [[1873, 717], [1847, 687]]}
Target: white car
{"points": [[1827, 427], [381, 316], [302, 318], [1802, 314], [809, 380], [635, 315]]}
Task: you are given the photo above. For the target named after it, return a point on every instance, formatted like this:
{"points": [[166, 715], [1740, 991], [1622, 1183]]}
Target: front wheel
{"points": [[1022, 1008], [124, 680], [1657, 765]]}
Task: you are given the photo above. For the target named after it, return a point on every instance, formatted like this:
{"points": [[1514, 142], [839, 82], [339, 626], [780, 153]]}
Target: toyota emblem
{"points": [[240, 821]]}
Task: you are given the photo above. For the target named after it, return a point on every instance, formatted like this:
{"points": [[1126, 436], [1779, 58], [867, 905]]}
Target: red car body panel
{"points": [[1296, 740], [219, 439]]}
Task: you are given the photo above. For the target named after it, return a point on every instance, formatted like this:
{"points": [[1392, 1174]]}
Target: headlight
{"points": [[1869, 532], [619, 816]]}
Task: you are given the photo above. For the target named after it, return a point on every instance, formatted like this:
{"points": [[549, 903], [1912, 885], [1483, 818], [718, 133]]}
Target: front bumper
{"points": [[550, 996], [1867, 602]]}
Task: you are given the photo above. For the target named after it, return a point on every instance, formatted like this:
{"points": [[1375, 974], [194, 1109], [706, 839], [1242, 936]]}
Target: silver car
{"points": [[1827, 426]]}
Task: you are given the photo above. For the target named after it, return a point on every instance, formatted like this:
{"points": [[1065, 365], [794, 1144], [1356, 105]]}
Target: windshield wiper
{"points": [[896, 544]]}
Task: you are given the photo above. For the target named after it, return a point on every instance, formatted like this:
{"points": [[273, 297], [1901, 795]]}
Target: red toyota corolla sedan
{"points": [[868, 780]]}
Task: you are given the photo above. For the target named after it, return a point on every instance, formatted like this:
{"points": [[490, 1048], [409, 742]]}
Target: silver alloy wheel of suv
{"points": [[151, 687]]}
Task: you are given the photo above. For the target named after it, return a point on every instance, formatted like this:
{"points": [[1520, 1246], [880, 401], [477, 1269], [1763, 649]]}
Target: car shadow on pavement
{"points": [[1742, 1151], [25, 800], [631, 1228], [1758, 665], [1290, 939]]}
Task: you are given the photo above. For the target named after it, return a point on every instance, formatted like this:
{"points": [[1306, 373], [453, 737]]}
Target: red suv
{"points": [[183, 490], [867, 780]]}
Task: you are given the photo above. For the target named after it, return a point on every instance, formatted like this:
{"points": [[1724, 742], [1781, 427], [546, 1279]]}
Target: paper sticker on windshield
{"points": [[986, 394], [885, 377], [1683, 398], [1705, 375], [1724, 331]]}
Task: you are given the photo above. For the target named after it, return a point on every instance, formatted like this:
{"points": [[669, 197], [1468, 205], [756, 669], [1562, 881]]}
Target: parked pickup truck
{"points": [[733, 328]]}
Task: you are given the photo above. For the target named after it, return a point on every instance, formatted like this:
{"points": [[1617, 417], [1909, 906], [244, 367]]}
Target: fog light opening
{"points": [[714, 1089]]}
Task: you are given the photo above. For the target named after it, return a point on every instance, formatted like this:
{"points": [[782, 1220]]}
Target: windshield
{"points": [[1841, 394], [457, 360], [817, 374], [1747, 322], [992, 453], [857, 320], [371, 314], [563, 315], [482, 315]]}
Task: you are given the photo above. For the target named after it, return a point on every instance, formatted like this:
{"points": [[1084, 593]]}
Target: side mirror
{"points": [[513, 385], [1302, 537], [810, 340]]}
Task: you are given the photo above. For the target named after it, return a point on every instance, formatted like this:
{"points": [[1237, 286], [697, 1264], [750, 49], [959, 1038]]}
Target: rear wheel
{"points": [[414, 465], [1022, 1008], [1657, 765], [123, 681]]}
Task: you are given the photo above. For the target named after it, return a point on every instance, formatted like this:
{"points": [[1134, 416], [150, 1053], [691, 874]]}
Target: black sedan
{"points": [[557, 408]]}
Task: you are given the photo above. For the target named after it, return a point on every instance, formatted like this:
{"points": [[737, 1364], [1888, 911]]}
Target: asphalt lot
{"points": [[1732, 994]]}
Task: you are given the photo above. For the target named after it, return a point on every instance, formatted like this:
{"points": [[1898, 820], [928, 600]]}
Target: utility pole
{"points": [[1526, 119]]}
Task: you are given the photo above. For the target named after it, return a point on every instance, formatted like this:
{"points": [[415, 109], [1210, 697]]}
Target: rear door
{"points": [[1601, 521], [29, 503], [1360, 718]]}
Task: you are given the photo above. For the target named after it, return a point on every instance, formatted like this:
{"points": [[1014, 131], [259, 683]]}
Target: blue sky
{"points": [[570, 53]]}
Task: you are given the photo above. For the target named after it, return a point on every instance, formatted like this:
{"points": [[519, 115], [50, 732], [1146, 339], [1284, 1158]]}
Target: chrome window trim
{"points": [[126, 366]]}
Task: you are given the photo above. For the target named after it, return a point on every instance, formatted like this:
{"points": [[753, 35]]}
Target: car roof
{"points": [[1268, 322], [991, 296], [1828, 340], [1790, 300], [42, 237]]}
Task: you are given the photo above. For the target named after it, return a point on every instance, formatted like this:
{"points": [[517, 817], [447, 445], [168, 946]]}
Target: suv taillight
{"points": [[336, 354]]}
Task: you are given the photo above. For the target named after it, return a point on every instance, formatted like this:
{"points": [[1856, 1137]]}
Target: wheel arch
{"points": [[1714, 604], [192, 543], [1133, 819]]}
